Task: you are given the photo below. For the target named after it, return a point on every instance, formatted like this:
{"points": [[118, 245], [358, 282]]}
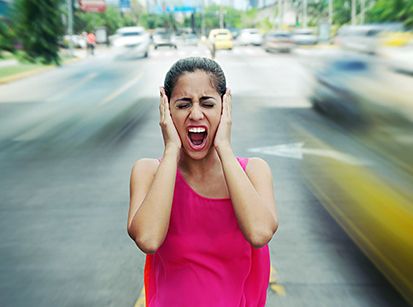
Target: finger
{"points": [[162, 108], [229, 101], [166, 108]]}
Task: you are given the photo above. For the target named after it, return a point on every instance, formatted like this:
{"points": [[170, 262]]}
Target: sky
{"points": [[239, 4]]}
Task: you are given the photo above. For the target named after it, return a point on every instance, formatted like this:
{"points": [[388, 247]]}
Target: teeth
{"points": [[197, 130]]}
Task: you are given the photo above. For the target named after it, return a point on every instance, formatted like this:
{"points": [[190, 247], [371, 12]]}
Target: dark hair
{"points": [[191, 65]]}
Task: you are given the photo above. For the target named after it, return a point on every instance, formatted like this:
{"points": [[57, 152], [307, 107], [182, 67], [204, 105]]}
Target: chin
{"points": [[196, 155]]}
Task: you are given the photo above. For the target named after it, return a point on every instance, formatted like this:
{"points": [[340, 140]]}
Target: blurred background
{"points": [[322, 90]]}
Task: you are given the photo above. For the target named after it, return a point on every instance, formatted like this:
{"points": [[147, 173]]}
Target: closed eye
{"points": [[208, 104], [183, 105]]}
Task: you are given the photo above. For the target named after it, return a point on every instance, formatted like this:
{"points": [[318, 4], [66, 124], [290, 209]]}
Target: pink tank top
{"points": [[205, 260]]}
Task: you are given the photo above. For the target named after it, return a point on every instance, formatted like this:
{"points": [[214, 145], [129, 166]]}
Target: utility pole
{"points": [[353, 12], [305, 13], [330, 12], [203, 19], [221, 15], [70, 25], [280, 14], [363, 11]]}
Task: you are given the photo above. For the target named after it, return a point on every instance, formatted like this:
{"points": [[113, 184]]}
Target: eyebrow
{"points": [[187, 99]]}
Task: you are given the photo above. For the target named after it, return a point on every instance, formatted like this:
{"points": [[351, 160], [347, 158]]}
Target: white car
{"points": [[134, 41], [304, 37], [250, 37]]}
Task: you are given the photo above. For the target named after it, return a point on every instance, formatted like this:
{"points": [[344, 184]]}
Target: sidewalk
{"points": [[5, 63], [12, 70]]}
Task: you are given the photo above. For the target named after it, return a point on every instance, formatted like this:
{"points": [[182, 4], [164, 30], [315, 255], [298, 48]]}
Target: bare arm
{"points": [[152, 188], [151, 194], [252, 197], [252, 192]]}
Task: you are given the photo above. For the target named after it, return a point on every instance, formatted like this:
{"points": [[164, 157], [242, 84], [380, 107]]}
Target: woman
{"points": [[202, 216]]}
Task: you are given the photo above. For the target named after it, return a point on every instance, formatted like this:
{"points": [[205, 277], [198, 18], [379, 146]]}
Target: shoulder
{"points": [[258, 167], [145, 167]]}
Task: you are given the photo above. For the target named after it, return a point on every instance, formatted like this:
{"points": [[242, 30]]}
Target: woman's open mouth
{"points": [[197, 136]]}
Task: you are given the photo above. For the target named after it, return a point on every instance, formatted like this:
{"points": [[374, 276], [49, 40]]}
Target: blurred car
{"points": [[132, 40], [333, 94], [163, 38], [250, 37], [191, 39], [370, 38], [278, 41], [234, 32], [361, 91], [304, 37], [220, 39]]}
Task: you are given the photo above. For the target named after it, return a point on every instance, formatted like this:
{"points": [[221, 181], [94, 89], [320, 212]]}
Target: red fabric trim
{"points": [[148, 283]]}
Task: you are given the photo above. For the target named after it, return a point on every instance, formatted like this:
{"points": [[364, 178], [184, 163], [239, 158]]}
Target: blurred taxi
{"points": [[220, 39], [396, 39], [370, 192]]}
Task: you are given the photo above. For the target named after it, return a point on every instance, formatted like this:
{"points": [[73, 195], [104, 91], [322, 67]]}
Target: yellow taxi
{"points": [[220, 39]]}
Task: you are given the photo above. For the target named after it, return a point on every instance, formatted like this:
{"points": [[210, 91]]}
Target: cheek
{"points": [[178, 120], [215, 118]]}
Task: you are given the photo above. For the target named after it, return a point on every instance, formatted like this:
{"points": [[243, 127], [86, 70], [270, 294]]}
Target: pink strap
{"points": [[243, 162]]}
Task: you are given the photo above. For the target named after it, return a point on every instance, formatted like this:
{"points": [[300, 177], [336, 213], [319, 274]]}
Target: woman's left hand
{"points": [[223, 135]]}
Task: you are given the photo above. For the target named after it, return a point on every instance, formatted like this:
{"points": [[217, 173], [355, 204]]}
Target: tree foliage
{"points": [[392, 11], [39, 26], [7, 36], [111, 19]]}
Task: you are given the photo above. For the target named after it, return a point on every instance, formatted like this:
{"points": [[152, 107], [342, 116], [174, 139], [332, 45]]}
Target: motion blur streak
{"points": [[374, 206]]}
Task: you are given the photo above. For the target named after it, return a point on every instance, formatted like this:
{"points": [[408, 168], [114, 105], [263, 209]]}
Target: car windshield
{"points": [[131, 33], [252, 32], [304, 32], [279, 35]]}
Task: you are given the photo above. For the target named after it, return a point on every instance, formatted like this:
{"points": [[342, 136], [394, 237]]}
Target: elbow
{"points": [[261, 237], [146, 245]]}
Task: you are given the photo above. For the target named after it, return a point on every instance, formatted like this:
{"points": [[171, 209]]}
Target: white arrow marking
{"points": [[296, 151]]}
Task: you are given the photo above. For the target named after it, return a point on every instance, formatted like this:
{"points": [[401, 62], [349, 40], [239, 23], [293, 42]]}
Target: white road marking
{"points": [[121, 90], [296, 151], [74, 86]]}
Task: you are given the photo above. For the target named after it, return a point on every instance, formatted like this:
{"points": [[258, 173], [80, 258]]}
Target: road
{"points": [[69, 138]]}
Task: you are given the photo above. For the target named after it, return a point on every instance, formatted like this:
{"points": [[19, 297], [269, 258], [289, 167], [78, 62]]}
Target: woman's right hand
{"points": [[169, 133]]}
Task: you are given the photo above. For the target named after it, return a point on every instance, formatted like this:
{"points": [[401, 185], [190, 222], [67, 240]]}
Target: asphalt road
{"points": [[69, 138]]}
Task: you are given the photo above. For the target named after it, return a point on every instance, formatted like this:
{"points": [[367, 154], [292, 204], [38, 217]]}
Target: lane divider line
{"points": [[121, 90], [73, 87], [274, 285], [140, 302]]}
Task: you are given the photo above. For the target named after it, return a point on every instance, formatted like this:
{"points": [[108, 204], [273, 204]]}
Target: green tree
{"points": [[392, 11], [7, 36], [111, 19], [39, 27]]}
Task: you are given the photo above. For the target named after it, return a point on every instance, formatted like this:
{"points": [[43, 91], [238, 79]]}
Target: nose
{"points": [[196, 113]]}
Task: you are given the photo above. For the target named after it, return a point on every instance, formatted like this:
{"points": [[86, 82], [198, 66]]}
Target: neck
{"points": [[199, 168]]}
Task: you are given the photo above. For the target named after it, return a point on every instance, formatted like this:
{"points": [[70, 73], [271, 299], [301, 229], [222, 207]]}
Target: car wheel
{"points": [[146, 55]]}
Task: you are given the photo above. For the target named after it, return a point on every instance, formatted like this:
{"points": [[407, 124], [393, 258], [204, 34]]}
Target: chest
{"points": [[211, 187]]}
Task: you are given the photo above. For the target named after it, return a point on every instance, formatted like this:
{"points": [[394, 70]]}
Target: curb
{"points": [[34, 71]]}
